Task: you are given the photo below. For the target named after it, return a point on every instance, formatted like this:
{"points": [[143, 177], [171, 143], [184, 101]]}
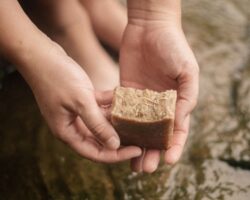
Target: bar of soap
{"points": [[143, 118]]}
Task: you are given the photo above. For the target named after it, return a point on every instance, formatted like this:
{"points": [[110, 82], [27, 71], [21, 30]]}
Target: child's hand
{"points": [[62, 89], [156, 55], [73, 110]]}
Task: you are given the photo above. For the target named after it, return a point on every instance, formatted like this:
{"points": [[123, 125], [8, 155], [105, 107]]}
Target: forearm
{"points": [[154, 10], [21, 41]]}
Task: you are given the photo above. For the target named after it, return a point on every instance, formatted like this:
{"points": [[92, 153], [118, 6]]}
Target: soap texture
{"points": [[144, 118]]}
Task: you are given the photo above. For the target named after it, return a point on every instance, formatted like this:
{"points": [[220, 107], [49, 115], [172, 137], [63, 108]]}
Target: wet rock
{"points": [[210, 22], [208, 179], [129, 186], [216, 161]]}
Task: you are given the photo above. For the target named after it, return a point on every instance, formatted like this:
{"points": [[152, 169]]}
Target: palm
{"points": [[159, 58], [155, 61]]}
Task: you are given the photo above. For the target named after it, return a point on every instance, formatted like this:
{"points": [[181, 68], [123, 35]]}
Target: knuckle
{"points": [[83, 102], [80, 103], [98, 130]]}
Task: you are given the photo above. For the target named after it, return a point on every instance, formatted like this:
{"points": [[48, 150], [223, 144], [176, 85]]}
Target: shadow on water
{"points": [[216, 161]]}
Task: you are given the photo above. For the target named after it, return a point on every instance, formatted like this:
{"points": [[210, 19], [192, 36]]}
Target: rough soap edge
{"points": [[114, 100]]}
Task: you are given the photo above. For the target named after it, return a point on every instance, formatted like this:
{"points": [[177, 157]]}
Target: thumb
{"points": [[186, 101], [104, 98], [96, 122], [187, 95]]}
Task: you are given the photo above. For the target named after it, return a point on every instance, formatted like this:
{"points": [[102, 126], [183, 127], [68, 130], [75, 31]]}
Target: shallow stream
{"points": [[216, 161]]}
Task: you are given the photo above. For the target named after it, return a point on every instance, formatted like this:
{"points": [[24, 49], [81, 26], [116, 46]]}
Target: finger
{"points": [[97, 123], [177, 142], [93, 151], [106, 111], [81, 128], [89, 148], [186, 101], [187, 94], [136, 163], [104, 98], [123, 153], [151, 160]]}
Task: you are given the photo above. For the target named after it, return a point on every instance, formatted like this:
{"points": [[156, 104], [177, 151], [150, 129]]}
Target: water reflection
{"points": [[215, 164]]}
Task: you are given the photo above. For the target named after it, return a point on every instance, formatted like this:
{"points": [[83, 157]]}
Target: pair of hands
{"points": [[153, 55]]}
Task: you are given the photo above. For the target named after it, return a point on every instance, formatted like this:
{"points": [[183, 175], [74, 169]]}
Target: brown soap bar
{"points": [[143, 118]]}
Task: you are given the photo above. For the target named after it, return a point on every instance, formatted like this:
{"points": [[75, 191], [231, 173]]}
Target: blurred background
{"points": [[216, 161]]}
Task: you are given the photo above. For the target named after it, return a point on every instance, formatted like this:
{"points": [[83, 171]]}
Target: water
{"points": [[216, 161]]}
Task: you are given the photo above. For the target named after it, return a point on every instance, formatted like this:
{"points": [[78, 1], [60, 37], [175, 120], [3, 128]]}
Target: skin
{"points": [[156, 55], [105, 25], [68, 23], [65, 95]]}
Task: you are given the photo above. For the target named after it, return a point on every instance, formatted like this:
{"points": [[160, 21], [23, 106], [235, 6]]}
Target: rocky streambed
{"points": [[216, 161]]}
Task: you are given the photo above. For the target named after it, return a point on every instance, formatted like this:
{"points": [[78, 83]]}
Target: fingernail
{"points": [[139, 152], [113, 143]]}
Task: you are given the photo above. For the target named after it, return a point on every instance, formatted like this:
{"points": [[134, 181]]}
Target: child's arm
{"points": [[19, 37], [62, 89]]}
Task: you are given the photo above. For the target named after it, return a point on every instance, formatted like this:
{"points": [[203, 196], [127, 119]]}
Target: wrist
{"points": [[154, 11]]}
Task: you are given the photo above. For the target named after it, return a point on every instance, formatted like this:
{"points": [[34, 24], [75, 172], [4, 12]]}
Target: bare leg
{"points": [[109, 20], [67, 23]]}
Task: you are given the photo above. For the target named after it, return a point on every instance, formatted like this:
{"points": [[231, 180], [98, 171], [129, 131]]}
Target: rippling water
{"points": [[216, 161]]}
